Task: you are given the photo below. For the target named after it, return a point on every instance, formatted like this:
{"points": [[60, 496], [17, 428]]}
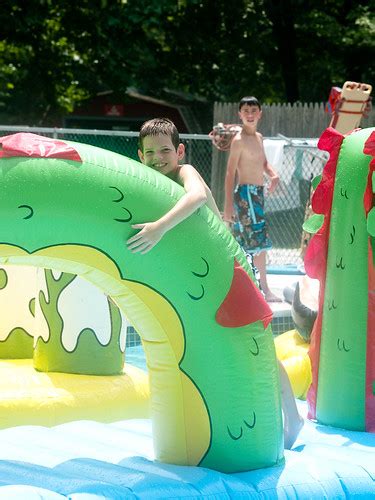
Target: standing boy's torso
{"points": [[250, 167]]}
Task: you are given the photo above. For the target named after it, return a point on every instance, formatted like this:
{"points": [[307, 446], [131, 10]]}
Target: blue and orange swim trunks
{"points": [[250, 228]]}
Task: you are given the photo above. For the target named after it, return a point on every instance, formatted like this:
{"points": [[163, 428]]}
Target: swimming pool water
{"points": [[135, 356]]}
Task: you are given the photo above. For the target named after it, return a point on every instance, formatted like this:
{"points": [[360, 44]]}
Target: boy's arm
{"points": [[274, 178], [233, 160], [270, 172], [152, 232]]}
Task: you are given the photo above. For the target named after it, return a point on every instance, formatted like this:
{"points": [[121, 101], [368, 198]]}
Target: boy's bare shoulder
{"points": [[189, 174], [186, 169], [186, 166]]}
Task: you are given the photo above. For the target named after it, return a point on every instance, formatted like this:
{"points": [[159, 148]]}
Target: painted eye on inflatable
{"points": [[352, 235], [121, 194], [332, 305], [255, 352], [205, 273], [247, 424], [341, 346], [200, 275], [29, 209], [344, 194], [129, 217], [339, 263]]}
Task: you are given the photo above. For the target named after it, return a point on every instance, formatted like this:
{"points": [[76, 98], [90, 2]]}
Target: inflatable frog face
{"points": [[202, 320]]}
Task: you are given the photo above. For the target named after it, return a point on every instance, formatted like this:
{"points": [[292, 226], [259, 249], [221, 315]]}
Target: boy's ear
{"points": [[140, 156], [180, 151]]}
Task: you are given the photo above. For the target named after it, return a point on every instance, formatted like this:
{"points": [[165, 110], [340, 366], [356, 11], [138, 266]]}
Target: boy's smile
{"points": [[160, 154]]}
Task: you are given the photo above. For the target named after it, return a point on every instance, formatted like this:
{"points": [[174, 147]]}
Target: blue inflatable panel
{"points": [[88, 460]]}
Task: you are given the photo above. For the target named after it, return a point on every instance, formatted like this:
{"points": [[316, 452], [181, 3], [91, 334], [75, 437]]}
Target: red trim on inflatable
{"points": [[244, 303], [369, 149], [316, 253], [315, 259], [329, 141], [317, 250], [36, 146]]}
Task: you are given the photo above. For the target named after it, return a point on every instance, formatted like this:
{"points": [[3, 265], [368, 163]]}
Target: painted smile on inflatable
{"points": [[203, 322]]}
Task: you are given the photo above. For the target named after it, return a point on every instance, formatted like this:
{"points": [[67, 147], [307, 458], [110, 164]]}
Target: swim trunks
{"points": [[250, 228]]}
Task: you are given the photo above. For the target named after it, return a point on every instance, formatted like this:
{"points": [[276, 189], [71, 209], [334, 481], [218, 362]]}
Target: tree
{"points": [[55, 54]]}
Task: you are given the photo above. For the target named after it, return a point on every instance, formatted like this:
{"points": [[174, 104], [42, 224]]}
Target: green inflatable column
{"points": [[17, 305], [80, 329]]}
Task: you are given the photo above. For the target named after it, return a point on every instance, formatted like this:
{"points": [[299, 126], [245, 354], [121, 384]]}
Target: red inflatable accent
{"points": [[244, 304], [316, 253], [330, 141], [369, 148], [36, 146]]}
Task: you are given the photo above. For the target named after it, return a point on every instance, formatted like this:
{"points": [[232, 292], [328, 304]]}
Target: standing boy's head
{"points": [[249, 101], [159, 145], [250, 111]]}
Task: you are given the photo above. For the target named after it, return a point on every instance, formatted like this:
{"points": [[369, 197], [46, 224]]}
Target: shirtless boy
{"points": [[160, 149], [244, 190]]}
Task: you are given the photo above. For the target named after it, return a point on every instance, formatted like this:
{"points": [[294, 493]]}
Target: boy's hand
{"points": [[146, 239], [273, 184], [228, 215]]}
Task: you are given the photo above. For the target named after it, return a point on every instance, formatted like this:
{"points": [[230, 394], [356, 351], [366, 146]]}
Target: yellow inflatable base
{"points": [[292, 351], [28, 397]]}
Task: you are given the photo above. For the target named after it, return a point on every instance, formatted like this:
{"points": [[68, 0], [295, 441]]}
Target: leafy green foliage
{"points": [[55, 54]]}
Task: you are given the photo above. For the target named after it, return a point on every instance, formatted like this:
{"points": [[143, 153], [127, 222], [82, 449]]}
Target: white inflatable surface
{"points": [[86, 460]]}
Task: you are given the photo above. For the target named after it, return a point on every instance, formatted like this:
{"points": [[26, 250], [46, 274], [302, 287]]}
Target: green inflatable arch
{"points": [[213, 374]]}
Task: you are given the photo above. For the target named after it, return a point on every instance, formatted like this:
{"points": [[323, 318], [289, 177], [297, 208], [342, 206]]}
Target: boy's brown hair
{"points": [[159, 126], [249, 100]]}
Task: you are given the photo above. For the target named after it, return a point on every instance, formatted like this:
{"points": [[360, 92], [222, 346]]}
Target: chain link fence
{"points": [[285, 209]]}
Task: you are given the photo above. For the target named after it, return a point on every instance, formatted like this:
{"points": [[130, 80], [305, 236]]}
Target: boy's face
{"points": [[160, 154], [250, 114]]}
